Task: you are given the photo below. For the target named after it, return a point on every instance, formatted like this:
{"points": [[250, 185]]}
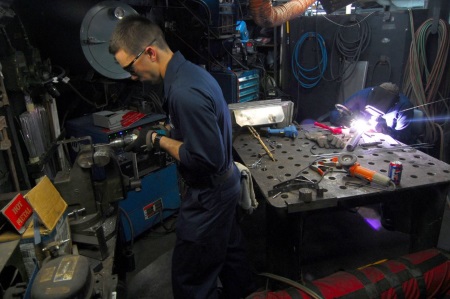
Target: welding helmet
{"points": [[382, 98]]}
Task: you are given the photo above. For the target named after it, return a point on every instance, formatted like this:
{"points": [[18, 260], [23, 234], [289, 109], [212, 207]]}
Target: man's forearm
{"points": [[171, 146]]}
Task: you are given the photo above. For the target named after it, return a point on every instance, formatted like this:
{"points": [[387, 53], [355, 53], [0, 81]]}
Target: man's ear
{"points": [[151, 52]]}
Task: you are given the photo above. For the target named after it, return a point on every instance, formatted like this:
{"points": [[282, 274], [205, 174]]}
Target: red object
{"points": [[425, 274], [130, 118], [395, 171], [18, 211], [331, 129]]}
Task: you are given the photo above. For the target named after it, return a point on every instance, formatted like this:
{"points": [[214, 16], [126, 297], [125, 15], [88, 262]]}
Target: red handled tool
{"points": [[334, 131], [325, 165]]}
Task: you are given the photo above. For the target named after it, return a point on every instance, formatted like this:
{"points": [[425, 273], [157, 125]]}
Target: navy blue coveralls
{"points": [[209, 242]]}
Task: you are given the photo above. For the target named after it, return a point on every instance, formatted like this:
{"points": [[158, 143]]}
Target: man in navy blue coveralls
{"points": [[397, 115], [209, 242]]}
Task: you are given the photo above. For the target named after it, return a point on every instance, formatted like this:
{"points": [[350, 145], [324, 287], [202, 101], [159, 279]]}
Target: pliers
{"points": [[320, 169], [324, 165]]}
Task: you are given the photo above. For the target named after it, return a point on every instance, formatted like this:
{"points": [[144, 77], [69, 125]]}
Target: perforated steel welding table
{"points": [[423, 189]]}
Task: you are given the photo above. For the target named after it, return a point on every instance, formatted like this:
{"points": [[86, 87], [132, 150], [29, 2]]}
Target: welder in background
{"points": [[387, 99]]}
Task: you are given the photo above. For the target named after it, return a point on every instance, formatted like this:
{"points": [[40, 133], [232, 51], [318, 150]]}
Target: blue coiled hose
{"points": [[309, 77]]}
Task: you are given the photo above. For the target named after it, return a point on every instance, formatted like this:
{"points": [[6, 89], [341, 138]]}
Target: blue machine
{"points": [[158, 199]]}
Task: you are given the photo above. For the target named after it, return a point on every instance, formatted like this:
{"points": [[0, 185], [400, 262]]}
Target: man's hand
{"points": [[325, 140], [381, 126], [143, 142]]}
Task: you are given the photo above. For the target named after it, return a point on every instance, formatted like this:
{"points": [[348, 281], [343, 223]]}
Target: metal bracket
{"points": [[294, 184]]}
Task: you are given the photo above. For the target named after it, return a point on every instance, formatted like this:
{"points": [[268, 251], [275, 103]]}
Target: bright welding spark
{"points": [[361, 125]]}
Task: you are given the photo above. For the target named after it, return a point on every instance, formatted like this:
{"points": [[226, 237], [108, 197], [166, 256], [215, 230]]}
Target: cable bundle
{"points": [[309, 77], [421, 82], [351, 49]]}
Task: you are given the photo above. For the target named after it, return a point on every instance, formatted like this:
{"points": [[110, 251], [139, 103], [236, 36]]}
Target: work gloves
{"points": [[381, 126], [325, 140], [143, 141]]}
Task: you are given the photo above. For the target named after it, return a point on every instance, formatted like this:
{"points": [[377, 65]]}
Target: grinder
{"points": [[348, 161]]}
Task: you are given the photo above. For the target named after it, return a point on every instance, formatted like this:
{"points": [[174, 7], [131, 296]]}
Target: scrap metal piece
{"points": [[353, 142], [259, 116], [305, 195], [294, 184], [256, 135]]}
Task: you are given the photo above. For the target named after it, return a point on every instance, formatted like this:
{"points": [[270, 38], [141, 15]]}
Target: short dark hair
{"points": [[133, 33]]}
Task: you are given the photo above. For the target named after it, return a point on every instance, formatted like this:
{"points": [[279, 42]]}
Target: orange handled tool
{"points": [[356, 170]]}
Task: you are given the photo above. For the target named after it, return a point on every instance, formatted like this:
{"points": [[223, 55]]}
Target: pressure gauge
{"points": [[119, 12]]}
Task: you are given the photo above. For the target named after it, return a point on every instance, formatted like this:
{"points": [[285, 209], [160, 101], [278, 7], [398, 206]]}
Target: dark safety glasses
{"points": [[129, 67]]}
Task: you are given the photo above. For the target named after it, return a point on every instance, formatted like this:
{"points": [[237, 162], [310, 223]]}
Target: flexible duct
{"points": [[266, 15], [423, 274]]}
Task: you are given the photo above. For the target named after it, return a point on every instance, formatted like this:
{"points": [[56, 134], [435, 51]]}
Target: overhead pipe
{"points": [[266, 15]]}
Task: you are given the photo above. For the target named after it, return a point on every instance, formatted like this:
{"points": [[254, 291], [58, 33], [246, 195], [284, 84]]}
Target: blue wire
{"points": [[298, 69]]}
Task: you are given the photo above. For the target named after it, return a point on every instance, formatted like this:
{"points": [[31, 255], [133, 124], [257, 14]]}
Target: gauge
{"points": [[119, 12]]}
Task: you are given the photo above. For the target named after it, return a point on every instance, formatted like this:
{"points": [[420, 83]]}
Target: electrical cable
{"points": [[422, 83], [315, 72], [195, 15], [351, 49], [197, 53], [83, 97], [234, 58], [292, 283], [130, 223], [343, 72], [383, 61]]}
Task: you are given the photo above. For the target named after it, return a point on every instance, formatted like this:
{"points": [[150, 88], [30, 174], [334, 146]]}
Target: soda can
{"points": [[395, 171]]}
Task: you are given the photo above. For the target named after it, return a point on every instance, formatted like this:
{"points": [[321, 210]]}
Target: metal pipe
{"points": [[353, 142], [13, 169], [5, 144]]}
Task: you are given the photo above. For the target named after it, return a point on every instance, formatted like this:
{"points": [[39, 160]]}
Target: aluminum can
{"points": [[395, 171]]}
